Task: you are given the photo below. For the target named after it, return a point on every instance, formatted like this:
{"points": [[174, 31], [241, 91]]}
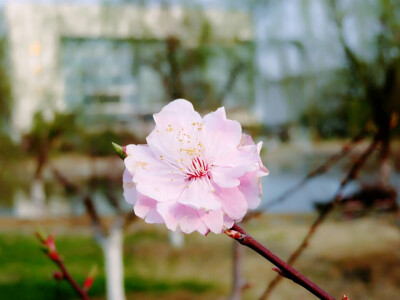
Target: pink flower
{"points": [[194, 173]]}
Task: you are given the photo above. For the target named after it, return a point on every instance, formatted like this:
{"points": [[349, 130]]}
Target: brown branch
{"points": [[352, 174], [285, 270]]}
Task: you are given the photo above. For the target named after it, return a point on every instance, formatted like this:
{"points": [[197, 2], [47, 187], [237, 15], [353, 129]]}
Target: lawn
{"points": [[358, 257]]}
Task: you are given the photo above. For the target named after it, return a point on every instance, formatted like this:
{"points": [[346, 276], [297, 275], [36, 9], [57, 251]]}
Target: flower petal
{"points": [[220, 135], [214, 220], [166, 211], [189, 220], [226, 177], [146, 208], [179, 111], [228, 222], [250, 186], [152, 176], [174, 121], [233, 203], [227, 170], [129, 187], [199, 195], [179, 215], [246, 140]]}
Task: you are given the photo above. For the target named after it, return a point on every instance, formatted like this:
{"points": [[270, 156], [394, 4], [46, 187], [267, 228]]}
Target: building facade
{"points": [[117, 62]]}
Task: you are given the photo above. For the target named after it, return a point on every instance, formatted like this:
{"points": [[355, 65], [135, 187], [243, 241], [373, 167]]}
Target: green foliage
{"points": [[26, 272]]}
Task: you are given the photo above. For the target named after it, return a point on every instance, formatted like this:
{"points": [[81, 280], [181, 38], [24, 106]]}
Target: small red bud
{"points": [[53, 255], [88, 283], [49, 242], [344, 297], [58, 276]]}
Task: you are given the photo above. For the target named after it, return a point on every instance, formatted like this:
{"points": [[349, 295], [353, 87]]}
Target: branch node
{"points": [[277, 270], [59, 276], [235, 234]]}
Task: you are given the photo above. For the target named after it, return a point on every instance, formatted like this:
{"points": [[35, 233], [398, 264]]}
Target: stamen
{"points": [[198, 169]]}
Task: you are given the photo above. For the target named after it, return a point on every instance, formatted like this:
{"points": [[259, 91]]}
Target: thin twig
{"points": [[51, 251], [352, 174], [314, 173], [284, 269], [80, 291]]}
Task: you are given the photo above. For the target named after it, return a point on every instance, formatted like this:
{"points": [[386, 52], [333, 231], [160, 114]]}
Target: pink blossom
{"points": [[194, 174]]}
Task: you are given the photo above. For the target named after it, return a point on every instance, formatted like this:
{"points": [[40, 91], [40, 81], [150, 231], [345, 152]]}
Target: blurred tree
{"points": [[208, 72], [62, 133], [5, 89], [9, 151], [375, 78], [211, 75], [39, 142]]}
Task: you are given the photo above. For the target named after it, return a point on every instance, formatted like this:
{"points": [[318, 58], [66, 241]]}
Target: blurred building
{"points": [[303, 72], [119, 63], [269, 62]]}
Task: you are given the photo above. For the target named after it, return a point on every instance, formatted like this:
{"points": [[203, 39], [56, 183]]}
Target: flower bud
{"points": [[58, 276]]}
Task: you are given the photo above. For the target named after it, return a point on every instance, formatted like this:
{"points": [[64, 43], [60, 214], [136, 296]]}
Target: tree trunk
{"points": [[112, 246], [238, 282], [38, 198], [176, 239]]}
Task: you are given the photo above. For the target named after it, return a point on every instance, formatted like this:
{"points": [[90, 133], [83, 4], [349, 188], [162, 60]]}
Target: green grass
{"points": [[26, 273], [360, 258]]}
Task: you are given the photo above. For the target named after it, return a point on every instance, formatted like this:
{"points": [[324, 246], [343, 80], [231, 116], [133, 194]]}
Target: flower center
{"points": [[198, 169]]}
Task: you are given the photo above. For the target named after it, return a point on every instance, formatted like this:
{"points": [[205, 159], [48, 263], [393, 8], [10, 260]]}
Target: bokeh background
{"points": [[303, 76]]}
